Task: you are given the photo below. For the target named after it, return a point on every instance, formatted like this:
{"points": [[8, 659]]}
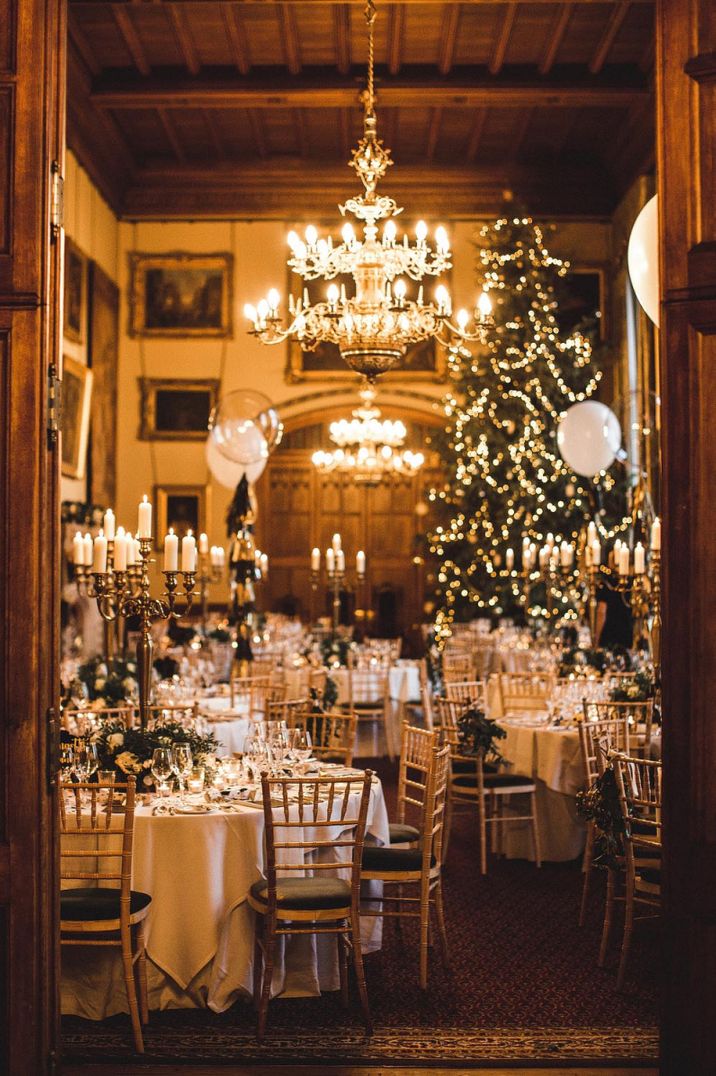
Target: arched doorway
{"points": [[301, 509]]}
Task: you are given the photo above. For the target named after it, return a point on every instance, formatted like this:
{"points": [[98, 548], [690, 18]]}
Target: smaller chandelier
{"points": [[369, 447]]}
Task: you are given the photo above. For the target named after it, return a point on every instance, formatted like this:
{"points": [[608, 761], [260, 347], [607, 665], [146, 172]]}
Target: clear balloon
{"points": [[245, 426], [643, 258], [589, 437], [226, 472]]}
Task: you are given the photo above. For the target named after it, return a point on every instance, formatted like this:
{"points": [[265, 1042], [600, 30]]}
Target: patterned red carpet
{"points": [[523, 987]]}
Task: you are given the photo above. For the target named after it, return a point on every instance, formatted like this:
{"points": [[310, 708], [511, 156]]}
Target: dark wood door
{"points": [[31, 137], [686, 140]]}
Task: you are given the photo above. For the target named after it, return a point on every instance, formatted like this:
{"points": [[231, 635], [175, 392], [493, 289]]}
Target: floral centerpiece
{"points": [[639, 687], [335, 651], [129, 751], [109, 685], [586, 661], [478, 734]]}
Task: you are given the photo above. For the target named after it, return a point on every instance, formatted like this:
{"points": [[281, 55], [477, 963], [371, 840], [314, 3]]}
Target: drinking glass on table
{"points": [[183, 764], [162, 768], [302, 744], [84, 759]]}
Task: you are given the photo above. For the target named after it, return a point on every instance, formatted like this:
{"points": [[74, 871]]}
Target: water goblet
{"points": [[162, 768], [183, 764]]}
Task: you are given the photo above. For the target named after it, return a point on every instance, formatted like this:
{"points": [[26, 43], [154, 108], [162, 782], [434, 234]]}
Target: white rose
{"points": [[101, 670], [99, 683], [115, 740]]}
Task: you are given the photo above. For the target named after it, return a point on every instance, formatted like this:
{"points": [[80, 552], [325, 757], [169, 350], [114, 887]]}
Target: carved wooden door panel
{"points": [[31, 137]]}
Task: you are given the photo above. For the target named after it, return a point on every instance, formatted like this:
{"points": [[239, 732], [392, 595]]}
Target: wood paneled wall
{"points": [[686, 66]]}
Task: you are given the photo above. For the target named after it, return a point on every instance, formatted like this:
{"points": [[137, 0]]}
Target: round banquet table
{"points": [[200, 929], [230, 726]]}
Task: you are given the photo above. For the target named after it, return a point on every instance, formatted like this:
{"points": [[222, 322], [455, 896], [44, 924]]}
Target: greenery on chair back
{"points": [[322, 702], [478, 734], [600, 804]]}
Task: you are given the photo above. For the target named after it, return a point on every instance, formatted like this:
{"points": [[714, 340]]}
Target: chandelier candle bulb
{"points": [[340, 561], [596, 553], [99, 559], [171, 552], [78, 549], [510, 559], [591, 532], [360, 562], [624, 558], [315, 559], [144, 527], [203, 543], [330, 561], [109, 525], [656, 536], [336, 542]]}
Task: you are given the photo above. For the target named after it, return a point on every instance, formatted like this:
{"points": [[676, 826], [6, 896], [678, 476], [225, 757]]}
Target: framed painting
{"points": [[176, 409], [75, 294], [76, 403], [180, 294], [425, 361], [582, 297], [184, 508], [103, 348]]}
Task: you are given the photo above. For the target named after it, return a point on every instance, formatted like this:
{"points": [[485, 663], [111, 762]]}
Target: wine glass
{"points": [[84, 759], [183, 764], [302, 744], [162, 767]]}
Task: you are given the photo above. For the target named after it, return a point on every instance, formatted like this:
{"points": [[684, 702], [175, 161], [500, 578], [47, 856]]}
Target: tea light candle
{"points": [[315, 559], [144, 527], [171, 551], [109, 525], [99, 561]]}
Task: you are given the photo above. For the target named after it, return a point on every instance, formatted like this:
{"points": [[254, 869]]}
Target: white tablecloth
{"points": [[198, 870], [230, 726]]}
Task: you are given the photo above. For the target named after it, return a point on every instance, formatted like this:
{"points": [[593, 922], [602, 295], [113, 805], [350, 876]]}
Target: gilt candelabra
{"points": [[335, 566]]}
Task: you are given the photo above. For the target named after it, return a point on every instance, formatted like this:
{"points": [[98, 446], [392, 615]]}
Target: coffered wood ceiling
{"points": [[250, 109]]}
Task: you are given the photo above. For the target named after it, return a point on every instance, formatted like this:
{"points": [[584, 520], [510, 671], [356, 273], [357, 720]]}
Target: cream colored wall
{"points": [[259, 250], [93, 227]]}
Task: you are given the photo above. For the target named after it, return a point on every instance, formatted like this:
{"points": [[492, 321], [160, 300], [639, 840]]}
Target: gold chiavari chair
{"points": [[107, 912], [483, 653], [467, 691], [423, 707], [597, 738], [333, 735], [639, 784], [421, 867], [457, 666], [472, 783], [299, 815], [520, 692], [416, 747], [638, 715], [82, 722], [369, 700], [283, 708], [243, 690]]}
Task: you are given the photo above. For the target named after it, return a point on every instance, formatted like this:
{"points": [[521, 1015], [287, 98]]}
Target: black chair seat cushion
{"points": [[401, 833], [95, 904], [376, 705], [493, 780], [305, 894], [393, 859], [467, 765]]}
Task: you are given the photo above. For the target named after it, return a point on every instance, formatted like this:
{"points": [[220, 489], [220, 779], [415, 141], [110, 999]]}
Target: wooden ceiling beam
{"points": [[503, 39], [519, 134], [473, 142], [299, 118], [171, 135], [257, 133], [216, 140], [82, 45], [289, 38], [185, 41], [436, 120], [131, 40], [396, 27], [294, 189], [618, 14], [448, 38], [414, 88], [238, 38], [555, 39], [342, 37]]}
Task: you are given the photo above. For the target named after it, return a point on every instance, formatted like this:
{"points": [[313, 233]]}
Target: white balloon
{"points": [[643, 258], [589, 437], [225, 471]]}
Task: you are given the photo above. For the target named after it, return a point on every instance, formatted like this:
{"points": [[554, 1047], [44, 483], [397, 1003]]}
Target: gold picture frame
{"points": [[76, 271], [181, 295], [176, 409], [75, 421], [182, 507]]}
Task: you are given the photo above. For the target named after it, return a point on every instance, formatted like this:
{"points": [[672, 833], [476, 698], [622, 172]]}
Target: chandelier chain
{"points": [[370, 15]]}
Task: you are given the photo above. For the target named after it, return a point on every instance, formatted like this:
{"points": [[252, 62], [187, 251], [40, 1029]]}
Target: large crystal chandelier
{"points": [[375, 325], [368, 447]]}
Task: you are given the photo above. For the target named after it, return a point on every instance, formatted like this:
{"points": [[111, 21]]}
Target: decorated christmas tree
{"points": [[505, 477]]}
